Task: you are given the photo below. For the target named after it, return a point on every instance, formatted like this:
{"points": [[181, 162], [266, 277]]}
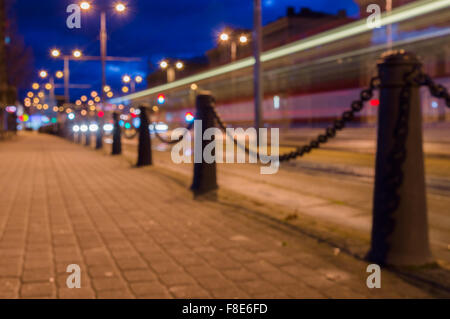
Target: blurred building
{"points": [[292, 27]]}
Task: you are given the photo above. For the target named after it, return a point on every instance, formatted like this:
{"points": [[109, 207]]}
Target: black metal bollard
{"points": [[117, 136], [88, 138], [145, 144], [205, 179], [79, 134], [99, 135], [400, 228]]}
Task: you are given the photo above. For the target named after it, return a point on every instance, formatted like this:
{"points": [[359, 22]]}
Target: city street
{"points": [[333, 185], [139, 233]]}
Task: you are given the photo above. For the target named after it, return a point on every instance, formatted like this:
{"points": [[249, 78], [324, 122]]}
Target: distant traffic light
{"points": [[189, 117], [161, 99]]}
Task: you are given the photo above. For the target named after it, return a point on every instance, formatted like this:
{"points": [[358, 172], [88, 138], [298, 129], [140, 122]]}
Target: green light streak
{"points": [[403, 13]]}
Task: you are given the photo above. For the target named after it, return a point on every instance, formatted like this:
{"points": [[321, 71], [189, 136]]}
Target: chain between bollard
{"points": [[339, 124], [436, 90], [171, 142]]}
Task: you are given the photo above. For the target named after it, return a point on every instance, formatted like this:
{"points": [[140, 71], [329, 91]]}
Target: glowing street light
{"points": [[179, 65], [233, 40], [35, 86], [94, 94], [125, 89], [77, 54], [138, 79], [106, 88], [126, 79], [55, 53], [43, 74], [243, 39], [48, 86], [164, 64], [85, 5], [224, 36], [120, 7], [59, 74], [170, 69]]}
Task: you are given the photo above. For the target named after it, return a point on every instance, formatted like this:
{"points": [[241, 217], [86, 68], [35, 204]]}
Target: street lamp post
{"points": [[170, 69], [119, 7], [132, 81], [257, 76], [225, 37]]}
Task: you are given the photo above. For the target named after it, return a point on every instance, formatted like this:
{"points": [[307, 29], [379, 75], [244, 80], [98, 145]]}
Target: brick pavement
{"points": [[136, 233]]}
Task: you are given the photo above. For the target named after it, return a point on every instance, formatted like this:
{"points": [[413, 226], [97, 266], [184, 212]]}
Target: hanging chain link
{"points": [[171, 142], [330, 132], [436, 90]]}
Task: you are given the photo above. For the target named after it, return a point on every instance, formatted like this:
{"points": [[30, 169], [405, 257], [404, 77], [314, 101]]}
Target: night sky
{"points": [[151, 29]]}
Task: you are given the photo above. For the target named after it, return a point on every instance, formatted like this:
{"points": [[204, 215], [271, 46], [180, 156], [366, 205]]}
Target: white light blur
{"points": [[161, 127], [76, 128], [84, 128], [108, 127], [93, 127]]}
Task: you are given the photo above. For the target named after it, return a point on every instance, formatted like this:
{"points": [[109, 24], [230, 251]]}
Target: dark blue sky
{"points": [[151, 29]]}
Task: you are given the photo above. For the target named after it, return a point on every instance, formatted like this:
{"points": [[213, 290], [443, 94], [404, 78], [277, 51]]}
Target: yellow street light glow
{"points": [[126, 79], [120, 7], [35, 100], [27, 100], [39, 106], [110, 94], [77, 54], [138, 79], [125, 89], [59, 74], [179, 65], [35, 86], [30, 94], [92, 108], [97, 99], [43, 74], [243, 39], [45, 106], [91, 102], [48, 86], [61, 109], [84, 98], [107, 88], [27, 104], [69, 111], [41, 94], [164, 64], [83, 113], [55, 53], [224, 36], [155, 108], [85, 5], [55, 109], [121, 107], [78, 102], [194, 86], [94, 94], [405, 12]]}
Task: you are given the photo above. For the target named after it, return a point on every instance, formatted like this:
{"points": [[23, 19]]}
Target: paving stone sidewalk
{"points": [[136, 233]]}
